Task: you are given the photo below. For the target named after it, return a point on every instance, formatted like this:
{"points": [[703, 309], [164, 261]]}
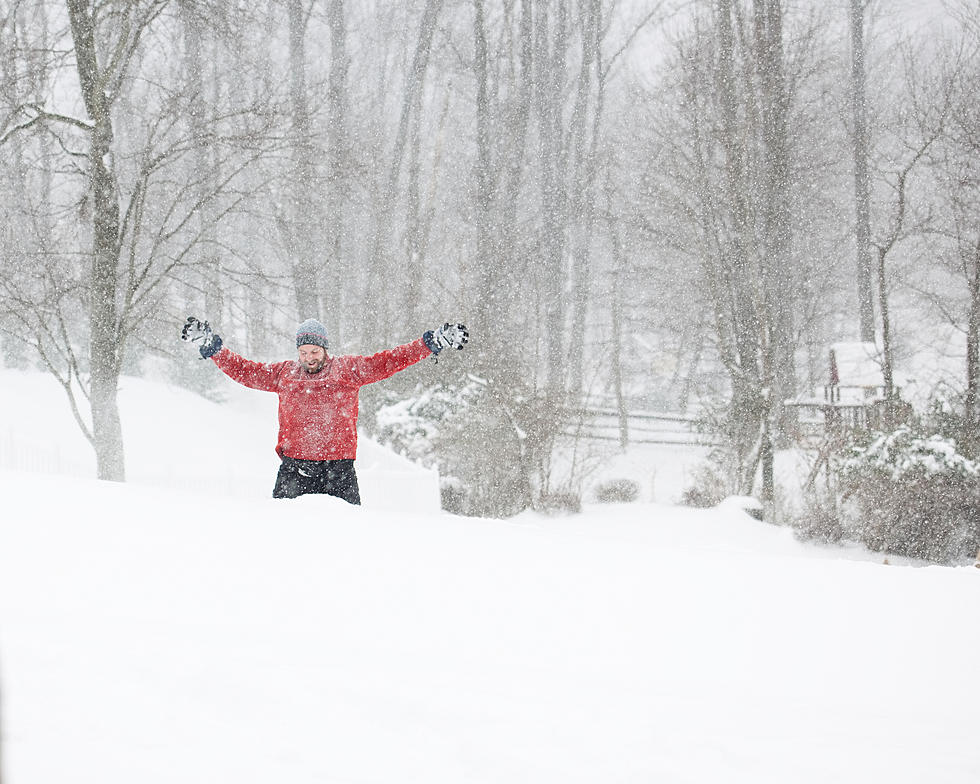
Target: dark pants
{"points": [[327, 477]]}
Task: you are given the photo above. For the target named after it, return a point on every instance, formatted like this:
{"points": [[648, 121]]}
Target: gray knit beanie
{"points": [[311, 333]]}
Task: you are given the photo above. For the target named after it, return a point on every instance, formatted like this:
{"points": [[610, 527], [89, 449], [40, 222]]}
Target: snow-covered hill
{"points": [[178, 440], [157, 634]]}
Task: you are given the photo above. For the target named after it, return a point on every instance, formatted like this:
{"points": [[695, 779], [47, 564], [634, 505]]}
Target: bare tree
{"points": [[926, 119], [962, 165], [778, 277], [102, 65], [724, 189], [743, 357], [144, 194], [952, 185]]}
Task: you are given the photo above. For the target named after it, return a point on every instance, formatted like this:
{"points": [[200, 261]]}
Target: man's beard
{"points": [[316, 367]]}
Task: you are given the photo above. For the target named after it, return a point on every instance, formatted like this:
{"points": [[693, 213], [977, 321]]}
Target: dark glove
{"points": [[446, 336], [199, 332]]}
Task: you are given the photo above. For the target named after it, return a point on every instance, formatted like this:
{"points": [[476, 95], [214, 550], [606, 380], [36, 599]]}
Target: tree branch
{"points": [[40, 116]]}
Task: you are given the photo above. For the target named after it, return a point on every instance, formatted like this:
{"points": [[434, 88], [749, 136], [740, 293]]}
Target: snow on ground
{"points": [[162, 634], [175, 439]]}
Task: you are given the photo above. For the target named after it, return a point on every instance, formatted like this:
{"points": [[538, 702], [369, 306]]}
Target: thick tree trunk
{"points": [[509, 481], [105, 339], [748, 404]]}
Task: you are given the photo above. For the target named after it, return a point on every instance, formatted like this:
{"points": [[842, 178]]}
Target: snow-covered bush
{"points": [[412, 425], [491, 445], [819, 520], [617, 491], [912, 495], [711, 483], [559, 502]]}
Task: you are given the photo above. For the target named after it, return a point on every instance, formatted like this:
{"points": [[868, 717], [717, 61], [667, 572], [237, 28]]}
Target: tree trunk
{"points": [[504, 286], [104, 347], [616, 354], [972, 406], [487, 312], [413, 268], [549, 56], [585, 141], [510, 481], [747, 407], [208, 262], [778, 277], [887, 373], [338, 178], [300, 224], [862, 187], [105, 339]]}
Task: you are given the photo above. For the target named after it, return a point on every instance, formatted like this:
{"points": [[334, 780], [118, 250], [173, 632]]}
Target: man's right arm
{"points": [[257, 375]]}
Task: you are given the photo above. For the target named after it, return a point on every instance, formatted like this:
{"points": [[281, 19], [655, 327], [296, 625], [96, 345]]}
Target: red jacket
{"points": [[318, 411]]}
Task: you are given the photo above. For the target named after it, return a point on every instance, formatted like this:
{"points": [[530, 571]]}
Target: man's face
{"points": [[312, 358]]}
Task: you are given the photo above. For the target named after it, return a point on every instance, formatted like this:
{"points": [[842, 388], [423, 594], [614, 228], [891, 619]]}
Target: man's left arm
{"points": [[386, 363]]}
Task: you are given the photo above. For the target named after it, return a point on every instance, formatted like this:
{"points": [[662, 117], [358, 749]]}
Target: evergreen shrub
{"points": [[914, 496]]}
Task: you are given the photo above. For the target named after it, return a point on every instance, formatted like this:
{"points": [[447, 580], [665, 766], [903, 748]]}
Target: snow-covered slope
{"points": [[152, 634], [179, 440]]}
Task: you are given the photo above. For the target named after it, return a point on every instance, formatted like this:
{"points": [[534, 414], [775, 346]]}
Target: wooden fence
{"points": [[642, 427]]}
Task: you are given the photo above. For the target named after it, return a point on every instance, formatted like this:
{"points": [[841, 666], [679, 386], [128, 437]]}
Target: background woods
{"points": [[659, 206]]}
